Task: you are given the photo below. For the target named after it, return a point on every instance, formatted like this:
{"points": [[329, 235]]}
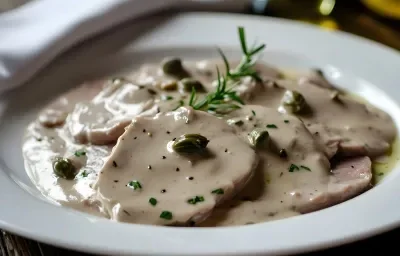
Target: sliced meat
{"points": [[145, 180], [342, 124], [349, 178], [292, 166], [55, 113], [104, 119]]}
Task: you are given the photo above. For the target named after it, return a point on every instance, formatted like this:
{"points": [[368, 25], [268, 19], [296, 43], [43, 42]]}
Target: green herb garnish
{"points": [[225, 99], [253, 112], [166, 97], [294, 102], [153, 201], [258, 136], [293, 168], [166, 215], [218, 191], [195, 199], [190, 143], [84, 174], [286, 121], [174, 67], [134, 184], [305, 168], [272, 126], [79, 153], [64, 168]]}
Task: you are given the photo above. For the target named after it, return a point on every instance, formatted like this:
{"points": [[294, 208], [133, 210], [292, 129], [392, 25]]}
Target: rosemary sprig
{"points": [[245, 67], [224, 99]]}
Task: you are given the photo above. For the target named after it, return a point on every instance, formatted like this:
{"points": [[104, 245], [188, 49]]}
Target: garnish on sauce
{"points": [[224, 99], [196, 199], [218, 191], [134, 184], [272, 126], [64, 168], [174, 67], [166, 215], [79, 153], [258, 136], [153, 201], [293, 101], [305, 168], [190, 143], [188, 84], [84, 174], [166, 97], [293, 168]]}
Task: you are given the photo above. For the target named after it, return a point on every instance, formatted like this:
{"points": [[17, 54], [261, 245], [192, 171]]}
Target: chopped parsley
{"points": [[84, 174], [293, 168], [153, 201], [218, 191], [286, 121], [196, 199], [305, 167], [272, 126], [166, 215], [254, 112], [167, 97], [134, 184], [79, 153], [380, 174]]}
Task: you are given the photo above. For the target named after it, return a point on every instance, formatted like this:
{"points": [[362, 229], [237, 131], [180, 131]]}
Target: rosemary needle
{"points": [[223, 99]]}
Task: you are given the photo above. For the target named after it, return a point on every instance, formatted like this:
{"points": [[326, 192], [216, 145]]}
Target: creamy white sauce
{"points": [[125, 128]]}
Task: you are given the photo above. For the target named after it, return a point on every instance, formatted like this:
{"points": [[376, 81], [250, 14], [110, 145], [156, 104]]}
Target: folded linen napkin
{"points": [[34, 34]]}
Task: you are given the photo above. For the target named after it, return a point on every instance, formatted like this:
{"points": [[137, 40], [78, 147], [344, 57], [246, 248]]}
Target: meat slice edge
{"points": [[350, 177]]}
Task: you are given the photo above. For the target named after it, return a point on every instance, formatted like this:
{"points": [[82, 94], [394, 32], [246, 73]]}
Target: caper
{"points": [[190, 143], [168, 85], [258, 137], [335, 95], [233, 121], [294, 101], [186, 85], [174, 67], [63, 168]]}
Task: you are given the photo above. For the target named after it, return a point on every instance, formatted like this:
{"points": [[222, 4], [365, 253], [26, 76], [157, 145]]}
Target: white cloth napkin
{"points": [[34, 34]]}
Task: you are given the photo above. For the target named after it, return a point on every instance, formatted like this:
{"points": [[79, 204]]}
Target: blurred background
{"points": [[378, 20]]}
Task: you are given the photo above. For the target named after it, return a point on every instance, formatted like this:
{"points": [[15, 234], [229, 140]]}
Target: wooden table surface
{"points": [[352, 18]]}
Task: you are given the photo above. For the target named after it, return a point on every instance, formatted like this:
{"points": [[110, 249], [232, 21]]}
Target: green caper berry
{"points": [[294, 101], [190, 143], [63, 168], [174, 67], [186, 85], [258, 136]]}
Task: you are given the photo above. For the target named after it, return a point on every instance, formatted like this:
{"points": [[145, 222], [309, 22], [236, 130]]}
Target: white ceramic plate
{"points": [[364, 67]]}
